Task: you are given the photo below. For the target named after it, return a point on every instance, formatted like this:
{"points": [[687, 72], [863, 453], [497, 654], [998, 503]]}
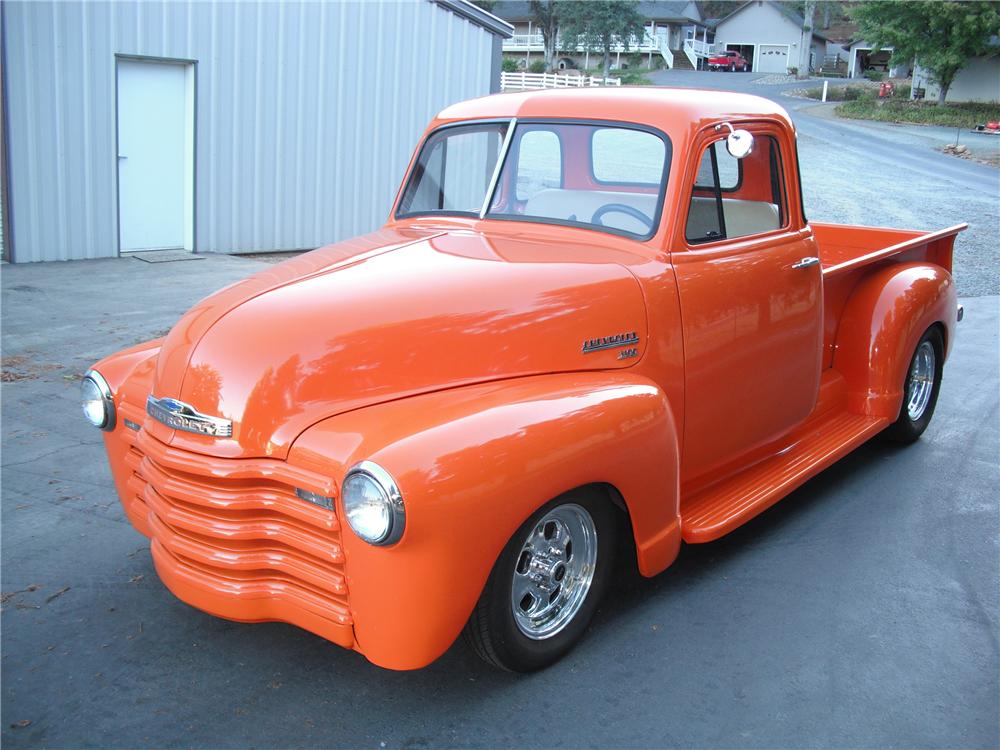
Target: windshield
{"points": [[453, 171], [608, 177]]}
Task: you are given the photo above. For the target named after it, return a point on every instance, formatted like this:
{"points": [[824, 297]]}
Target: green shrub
{"points": [[924, 113], [874, 75], [538, 66], [903, 92], [509, 65], [853, 93], [837, 93]]}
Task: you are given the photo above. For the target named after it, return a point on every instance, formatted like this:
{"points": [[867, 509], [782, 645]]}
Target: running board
{"points": [[720, 508]]}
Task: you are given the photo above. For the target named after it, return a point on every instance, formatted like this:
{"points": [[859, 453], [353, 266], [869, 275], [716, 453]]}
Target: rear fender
{"points": [[472, 464], [881, 324]]}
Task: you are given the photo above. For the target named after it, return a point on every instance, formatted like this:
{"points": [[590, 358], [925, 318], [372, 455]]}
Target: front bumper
{"points": [[229, 537]]}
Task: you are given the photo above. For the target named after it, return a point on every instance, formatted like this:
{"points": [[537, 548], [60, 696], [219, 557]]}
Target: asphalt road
{"points": [[862, 611]]}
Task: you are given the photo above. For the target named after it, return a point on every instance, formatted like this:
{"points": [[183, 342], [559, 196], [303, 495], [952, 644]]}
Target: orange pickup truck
{"points": [[596, 322]]}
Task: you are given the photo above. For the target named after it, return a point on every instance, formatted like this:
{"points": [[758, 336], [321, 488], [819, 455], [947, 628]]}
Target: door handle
{"points": [[122, 156], [806, 262]]}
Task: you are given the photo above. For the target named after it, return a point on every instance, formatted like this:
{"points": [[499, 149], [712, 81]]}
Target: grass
{"points": [[920, 112], [837, 93], [629, 76]]}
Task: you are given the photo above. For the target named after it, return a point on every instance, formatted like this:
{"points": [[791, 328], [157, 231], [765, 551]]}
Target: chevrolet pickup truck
{"points": [[730, 60], [596, 322]]}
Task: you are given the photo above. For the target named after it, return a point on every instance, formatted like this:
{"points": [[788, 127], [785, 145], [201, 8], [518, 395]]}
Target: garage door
{"points": [[773, 58]]}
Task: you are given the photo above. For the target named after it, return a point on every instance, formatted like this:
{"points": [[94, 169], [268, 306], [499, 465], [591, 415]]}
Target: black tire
{"points": [[492, 630], [906, 429], [732, 68]]}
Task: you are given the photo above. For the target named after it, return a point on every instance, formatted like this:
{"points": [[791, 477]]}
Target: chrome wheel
{"points": [[554, 571], [920, 384]]}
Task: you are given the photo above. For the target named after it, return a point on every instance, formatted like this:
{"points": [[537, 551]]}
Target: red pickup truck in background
{"points": [[730, 60]]}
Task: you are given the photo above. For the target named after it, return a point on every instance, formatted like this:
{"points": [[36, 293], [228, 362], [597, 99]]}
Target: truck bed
{"points": [[848, 253], [843, 248]]}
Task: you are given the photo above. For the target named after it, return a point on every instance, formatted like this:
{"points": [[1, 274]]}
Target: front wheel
{"points": [[920, 391], [546, 584]]}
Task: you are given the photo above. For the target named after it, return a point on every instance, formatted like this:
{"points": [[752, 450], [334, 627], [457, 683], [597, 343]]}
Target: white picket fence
{"points": [[522, 81]]}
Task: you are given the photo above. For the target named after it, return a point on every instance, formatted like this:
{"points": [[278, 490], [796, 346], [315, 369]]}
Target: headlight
{"points": [[98, 402], [373, 505]]}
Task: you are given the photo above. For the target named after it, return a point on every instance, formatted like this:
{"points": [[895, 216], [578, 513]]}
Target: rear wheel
{"points": [[546, 585], [920, 391]]}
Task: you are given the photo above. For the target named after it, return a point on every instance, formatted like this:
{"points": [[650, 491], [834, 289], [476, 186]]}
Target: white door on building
{"points": [[155, 155], [773, 59]]}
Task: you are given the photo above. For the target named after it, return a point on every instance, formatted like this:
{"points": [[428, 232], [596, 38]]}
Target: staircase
{"points": [[681, 61]]}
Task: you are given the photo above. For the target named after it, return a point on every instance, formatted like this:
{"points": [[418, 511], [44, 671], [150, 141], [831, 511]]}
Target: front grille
{"points": [[237, 524]]}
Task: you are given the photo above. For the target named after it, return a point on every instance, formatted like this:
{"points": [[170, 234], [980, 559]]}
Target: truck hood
{"points": [[389, 315]]}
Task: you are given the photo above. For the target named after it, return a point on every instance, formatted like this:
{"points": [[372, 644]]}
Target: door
{"points": [[155, 155], [773, 58], [751, 309]]}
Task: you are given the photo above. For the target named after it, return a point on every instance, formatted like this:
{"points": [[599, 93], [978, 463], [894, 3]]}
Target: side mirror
{"points": [[739, 143]]}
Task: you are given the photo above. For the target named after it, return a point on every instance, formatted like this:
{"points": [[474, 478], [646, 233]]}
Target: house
{"points": [[675, 33], [978, 81], [218, 126], [768, 34]]}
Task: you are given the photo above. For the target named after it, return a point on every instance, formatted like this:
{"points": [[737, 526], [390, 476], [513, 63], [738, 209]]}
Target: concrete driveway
{"points": [[862, 611]]}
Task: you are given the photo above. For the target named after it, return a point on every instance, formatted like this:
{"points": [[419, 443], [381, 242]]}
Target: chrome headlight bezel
{"points": [[392, 499], [107, 399]]}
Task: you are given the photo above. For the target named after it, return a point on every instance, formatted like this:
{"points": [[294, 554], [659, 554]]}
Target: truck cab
{"points": [[596, 321]]}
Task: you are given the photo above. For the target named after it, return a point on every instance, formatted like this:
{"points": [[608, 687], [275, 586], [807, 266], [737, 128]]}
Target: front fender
{"points": [[472, 464], [881, 324]]}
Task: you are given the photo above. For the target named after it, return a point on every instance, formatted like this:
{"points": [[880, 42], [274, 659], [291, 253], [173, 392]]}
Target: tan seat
{"points": [[743, 218], [581, 205]]}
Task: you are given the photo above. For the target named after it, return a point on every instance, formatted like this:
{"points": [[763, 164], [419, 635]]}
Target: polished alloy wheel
{"points": [[920, 385], [554, 571]]}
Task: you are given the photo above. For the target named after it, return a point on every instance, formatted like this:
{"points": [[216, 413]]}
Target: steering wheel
{"points": [[621, 208]]}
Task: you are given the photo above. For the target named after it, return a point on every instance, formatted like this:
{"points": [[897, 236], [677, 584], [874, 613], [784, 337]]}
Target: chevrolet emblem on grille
{"points": [[181, 416]]}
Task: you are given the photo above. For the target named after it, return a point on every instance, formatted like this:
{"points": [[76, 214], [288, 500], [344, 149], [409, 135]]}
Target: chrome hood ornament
{"points": [[181, 416]]}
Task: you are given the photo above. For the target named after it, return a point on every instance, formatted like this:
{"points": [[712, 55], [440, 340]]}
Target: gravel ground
{"points": [[855, 185]]}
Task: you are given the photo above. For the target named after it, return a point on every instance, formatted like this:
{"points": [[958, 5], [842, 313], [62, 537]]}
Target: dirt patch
{"points": [[13, 369], [18, 367], [963, 152], [271, 257]]}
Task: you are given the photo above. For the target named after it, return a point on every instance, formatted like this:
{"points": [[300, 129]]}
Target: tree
{"points": [[806, 37], [545, 15], [601, 25], [941, 35]]}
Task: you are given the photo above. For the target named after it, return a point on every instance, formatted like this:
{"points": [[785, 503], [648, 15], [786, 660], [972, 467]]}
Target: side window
{"points": [[627, 157], [737, 197], [539, 163], [730, 169]]}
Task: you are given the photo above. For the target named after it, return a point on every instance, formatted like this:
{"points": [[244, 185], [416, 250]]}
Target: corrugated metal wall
{"points": [[306, 113]]}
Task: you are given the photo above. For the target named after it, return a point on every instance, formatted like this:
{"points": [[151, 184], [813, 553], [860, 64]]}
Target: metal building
{"points": [[219, 126]]}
